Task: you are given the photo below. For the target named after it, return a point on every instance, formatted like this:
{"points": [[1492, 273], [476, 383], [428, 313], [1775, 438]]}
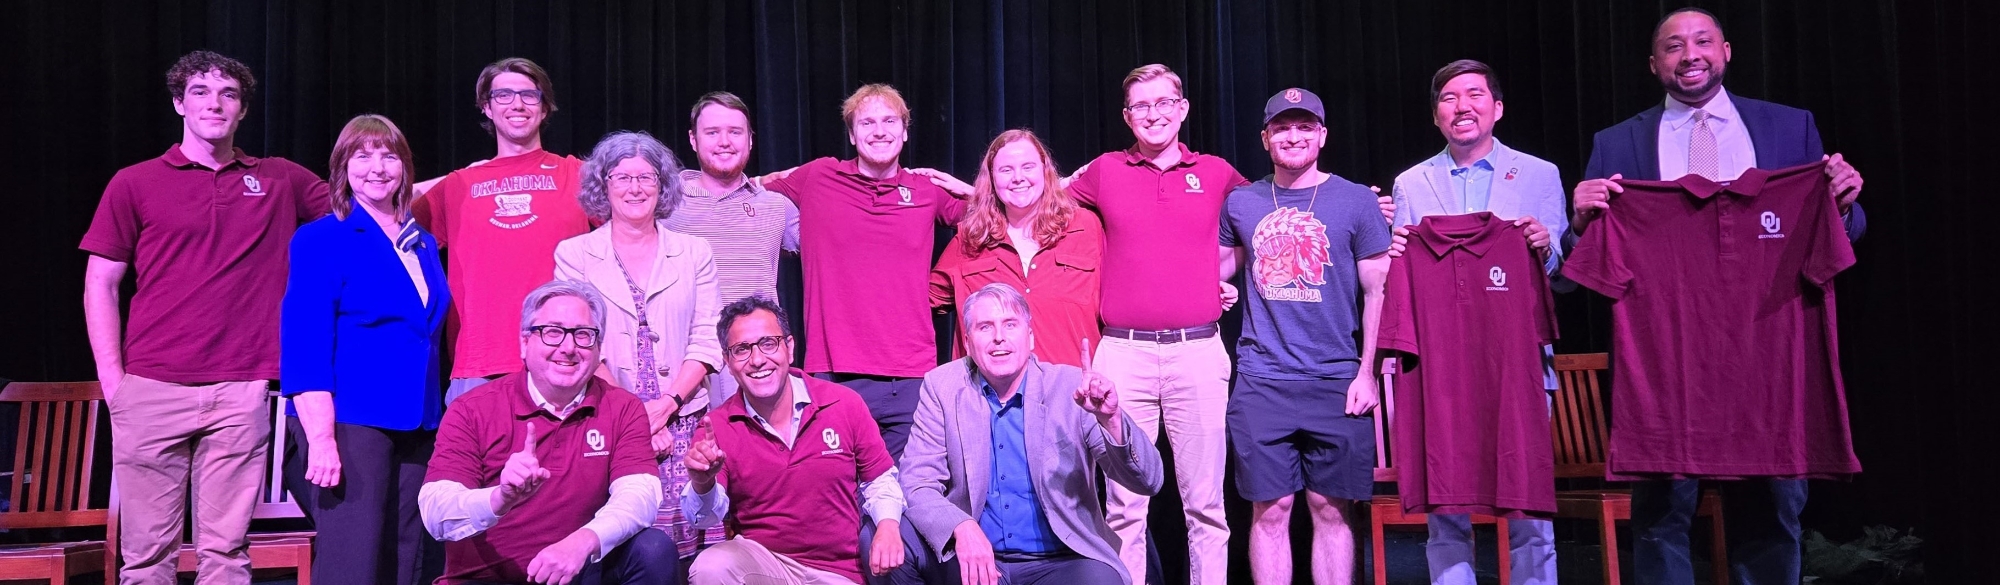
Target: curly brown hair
{"points": [[205, 61], [985, 222]]}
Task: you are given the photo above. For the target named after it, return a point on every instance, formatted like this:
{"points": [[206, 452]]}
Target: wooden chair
{"points": [[1385, 511], [1581, 440], [50, 479], [268, 550]]}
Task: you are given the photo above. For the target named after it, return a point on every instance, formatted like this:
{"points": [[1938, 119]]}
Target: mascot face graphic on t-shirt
{"points": [[1292, 249]]}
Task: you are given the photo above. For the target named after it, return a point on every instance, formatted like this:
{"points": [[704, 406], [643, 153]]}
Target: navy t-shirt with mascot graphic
{"points": [[1301, 295]]}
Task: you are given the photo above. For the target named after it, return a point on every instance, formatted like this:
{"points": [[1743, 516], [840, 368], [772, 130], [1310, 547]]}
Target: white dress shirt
{"points": [[1734, 152]]}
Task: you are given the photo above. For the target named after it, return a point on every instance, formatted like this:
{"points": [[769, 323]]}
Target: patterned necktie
{"points": [[407, 239], [1702, 158]]}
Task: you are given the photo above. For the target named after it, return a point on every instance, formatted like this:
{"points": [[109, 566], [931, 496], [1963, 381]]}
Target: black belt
{"points": [[1165, 336]]}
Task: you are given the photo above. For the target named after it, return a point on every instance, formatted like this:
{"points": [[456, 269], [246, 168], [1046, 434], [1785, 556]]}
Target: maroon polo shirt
{"points": [[803, 501], [1160, 229], [866, 252], [209, 248], [605, 439], [1468, 309], [1724, 344]]}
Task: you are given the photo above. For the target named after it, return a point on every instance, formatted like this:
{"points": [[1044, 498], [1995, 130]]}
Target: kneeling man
{"points": [[547, 475], [1004, 457]]}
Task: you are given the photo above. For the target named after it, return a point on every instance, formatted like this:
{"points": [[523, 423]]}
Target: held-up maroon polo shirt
{"points": [[1469, 309], [605, 439], [866, 250], [1160, 229], [803, 501], [210, 250], [1724, 345]]}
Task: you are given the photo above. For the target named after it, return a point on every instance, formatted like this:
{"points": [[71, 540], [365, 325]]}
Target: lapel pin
{"points": [[1510, 173]]}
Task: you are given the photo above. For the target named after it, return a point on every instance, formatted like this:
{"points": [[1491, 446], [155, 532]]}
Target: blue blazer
{"points": [[354, 325], [1783, 136]]}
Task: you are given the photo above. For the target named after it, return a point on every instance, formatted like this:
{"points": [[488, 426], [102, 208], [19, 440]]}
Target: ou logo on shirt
{"points": [[832, 439], [1771, 225], [1498, 276]]}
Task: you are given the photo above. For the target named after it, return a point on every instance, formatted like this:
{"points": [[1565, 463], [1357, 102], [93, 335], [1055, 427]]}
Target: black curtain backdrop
{"points": [[1892, 84]]}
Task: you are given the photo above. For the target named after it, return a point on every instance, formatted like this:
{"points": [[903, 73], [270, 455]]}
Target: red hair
{"points": [[985, 222]]}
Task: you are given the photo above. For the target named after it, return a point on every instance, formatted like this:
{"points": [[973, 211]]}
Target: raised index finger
{"points": [[1086, 358], [528, 444]]}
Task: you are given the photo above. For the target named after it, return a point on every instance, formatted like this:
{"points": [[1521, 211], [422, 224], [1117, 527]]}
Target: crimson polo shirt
{"points": [[1724, 346], [865, 245], [1469, 309], [1160, 229], [802, 501], [605, 439], [209, 248]]}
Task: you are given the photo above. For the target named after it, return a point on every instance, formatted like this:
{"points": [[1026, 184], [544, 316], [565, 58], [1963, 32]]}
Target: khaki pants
{"points": [[1184, 386], [163, 435], [742, 561]]}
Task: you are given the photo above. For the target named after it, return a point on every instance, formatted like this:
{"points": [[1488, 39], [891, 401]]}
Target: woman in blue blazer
{"points": [[364, 309]]}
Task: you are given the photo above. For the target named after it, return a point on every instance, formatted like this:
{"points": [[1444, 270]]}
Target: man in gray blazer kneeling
{"points": [[1001, 469]]}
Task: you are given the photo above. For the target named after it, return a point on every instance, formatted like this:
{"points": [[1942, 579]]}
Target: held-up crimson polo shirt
{"points": [[1061, 284], [209, 248], [1160, 228], [499, 224], [866, 252], [1723, 336], [1468, 308], [605, 439], [801, 501]]}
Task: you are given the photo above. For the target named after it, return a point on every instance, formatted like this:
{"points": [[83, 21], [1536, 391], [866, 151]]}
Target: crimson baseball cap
{"points": [[1294, 99]]}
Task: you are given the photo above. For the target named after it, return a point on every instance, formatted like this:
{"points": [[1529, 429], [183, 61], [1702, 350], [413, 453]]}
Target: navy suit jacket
{"points": [[353, 324], [1783, 136]]}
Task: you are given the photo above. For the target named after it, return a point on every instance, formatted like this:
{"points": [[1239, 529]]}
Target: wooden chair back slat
{"points": [[273, 500], [1579, 426], [55, 445]]}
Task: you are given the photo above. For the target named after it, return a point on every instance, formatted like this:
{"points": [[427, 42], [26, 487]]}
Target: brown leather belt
{"points": [[1166, 336]]}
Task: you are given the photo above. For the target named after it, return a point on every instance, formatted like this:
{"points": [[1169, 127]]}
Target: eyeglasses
{"points": [[506, 96], [644, 179], [552, 335], [1144, 109], [1306, 127], [767, 344]]}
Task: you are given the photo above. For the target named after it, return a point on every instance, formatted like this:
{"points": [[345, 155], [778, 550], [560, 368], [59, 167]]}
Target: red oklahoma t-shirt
{"points": [[1724, 347], [1469, 309], [866, 252], [499, 224], [802, 501], [209, 248], [605, 439]]}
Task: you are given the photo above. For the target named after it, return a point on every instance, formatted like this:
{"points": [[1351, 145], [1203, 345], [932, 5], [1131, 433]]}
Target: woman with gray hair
{"points": [[659, 333]]}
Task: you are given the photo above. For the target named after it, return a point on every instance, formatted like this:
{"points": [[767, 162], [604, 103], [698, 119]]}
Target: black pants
{"points": [[369, 527], [648, 558], [892, 401], [1762, 530], [921, 567]]}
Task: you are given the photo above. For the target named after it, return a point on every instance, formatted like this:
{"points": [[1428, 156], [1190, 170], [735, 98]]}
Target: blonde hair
{"points": [[361, 132], [985, 222], [878, 91], [1151, 72]]}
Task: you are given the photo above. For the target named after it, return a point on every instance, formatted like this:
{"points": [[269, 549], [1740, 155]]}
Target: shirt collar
{"points": [[1135, 158], [1679, 114], [1749, 184], [178, 159], [1473, 232], [542, 404], [800, 399], [1444, 161], [691, 186]]}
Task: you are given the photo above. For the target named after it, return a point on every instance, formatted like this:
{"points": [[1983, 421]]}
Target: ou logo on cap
{"points": [[1770, 221], [1293, 95]]}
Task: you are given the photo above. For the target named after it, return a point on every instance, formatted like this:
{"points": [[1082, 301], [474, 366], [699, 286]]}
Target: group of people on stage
{"points": [[643, 420]]}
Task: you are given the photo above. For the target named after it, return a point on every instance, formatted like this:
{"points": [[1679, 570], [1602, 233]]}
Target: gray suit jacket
{"points": [[950, 455], [1522, 185]]}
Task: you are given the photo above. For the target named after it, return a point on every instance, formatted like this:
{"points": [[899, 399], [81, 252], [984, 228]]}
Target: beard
{"points": [[730, 170], [1303, 163], [1716, 73]]}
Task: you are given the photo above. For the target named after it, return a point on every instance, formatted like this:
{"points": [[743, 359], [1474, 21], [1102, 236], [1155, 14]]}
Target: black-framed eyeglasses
{"points": [[1145, 109], [767, 344], [552, 335], [505, 96]]}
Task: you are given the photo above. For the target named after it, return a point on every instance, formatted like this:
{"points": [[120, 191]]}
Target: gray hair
{"points": [[615, 148], [999, 291], [563, 288]]}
